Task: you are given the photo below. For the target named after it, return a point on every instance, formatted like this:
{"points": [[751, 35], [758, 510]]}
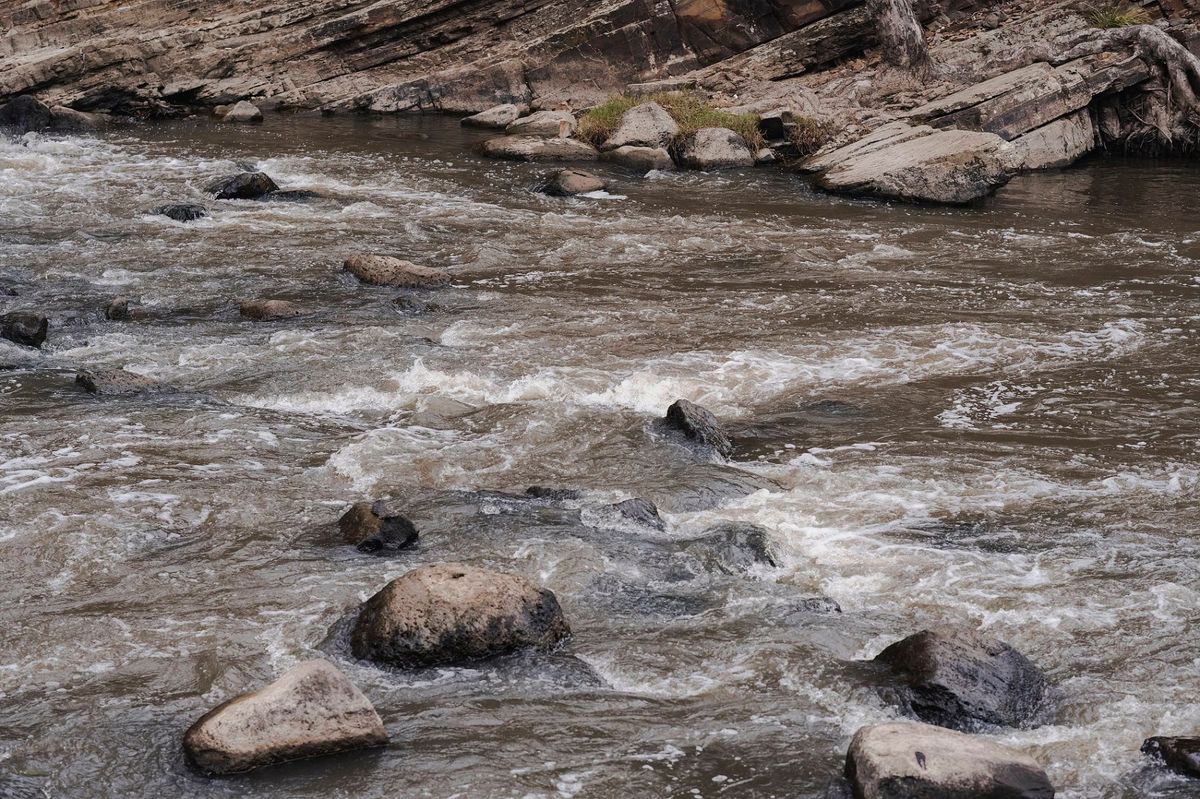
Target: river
{"points": [[984, 416]]}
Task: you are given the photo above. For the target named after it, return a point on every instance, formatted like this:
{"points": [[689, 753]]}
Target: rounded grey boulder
{"points": [[243, 111], [311, 710], [715, 148], [454, 613], [569, 182], [242, 186], [497, 117], [645, 125], [538, 148], [641, 159]]}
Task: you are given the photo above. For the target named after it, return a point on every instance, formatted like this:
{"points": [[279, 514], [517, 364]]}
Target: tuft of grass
{"points": [[689, 110], [810, 135], [1116, 15]]}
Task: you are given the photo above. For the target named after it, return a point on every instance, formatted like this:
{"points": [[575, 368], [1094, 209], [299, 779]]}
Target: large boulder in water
{"points": [[957, 678], [641, 159], [698, 424], [116, 382], [911, 761], [24, 328], [497, 117], [376, 528], [181, 212], [453, 613], [569, 182], [715, 148], [311, 710], [24, 114], [384, 270], [1181, 755], [243, 111], [537, 148], [242, 186], [645, 125], [544, 123]]}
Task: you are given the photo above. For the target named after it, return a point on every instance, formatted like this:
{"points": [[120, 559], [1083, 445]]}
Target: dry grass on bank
{"points": [[690, 111], [1117, 15]]}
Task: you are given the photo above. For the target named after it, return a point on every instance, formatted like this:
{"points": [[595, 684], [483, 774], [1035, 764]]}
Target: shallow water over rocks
{"points": [[984, 416]]}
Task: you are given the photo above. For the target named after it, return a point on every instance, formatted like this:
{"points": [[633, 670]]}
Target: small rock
{"points": [[243, 111], [411, 304], [291, 196], [268, 310], [535, 148], [113, 382], [645, 125], [25, 328], [117, 310], [698, 424], [1181, 755], [715, 148], [957, 678], [560, 124], [497, 117], [554, 494], [383, 270], [453, 613], [735, 548], [181, 212], [642, 159], [313, 709], [374, 528], [764, 156], [902, 760], [642, 511], [570, 182], [243, 186]]}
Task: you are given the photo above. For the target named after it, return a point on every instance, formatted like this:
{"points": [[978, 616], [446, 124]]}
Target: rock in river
{"points": [[27, 114], [536, 148], [919, 761], [544, 123], [375, 528], [311, 710], [569, 182], [181, 212], [698, 424], [715, 148], [117, 310], [645, 125], [641, 511], [243, 111], [113, 382], [453, 613], [497, 117], [25, 328], [736, 547], [268, 310], [1181, 755], [957, 678], [641, 159], [383, 270], [242, 186]]}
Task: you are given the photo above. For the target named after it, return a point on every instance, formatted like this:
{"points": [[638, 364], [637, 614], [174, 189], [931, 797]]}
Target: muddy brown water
{"points": [[984, 416]]}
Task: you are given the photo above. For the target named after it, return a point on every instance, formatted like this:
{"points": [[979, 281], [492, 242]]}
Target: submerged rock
{"points": [[181, 212], [1181, 755], [698, 424], [117, 310], [24, 328], [570, 182], [13, 786], [645, 125], [957, 678], [112, 382], [737, 547], [544, 123], [291, 196], [497, 117], [243, 111], [243, 186], [536, 148], [551, 494], [268, 310], [641, 511], [383, 270], [375, 528], [27, 114], [715, 148], [642, 159], [311, 710], [454, 613], [907, 760]]}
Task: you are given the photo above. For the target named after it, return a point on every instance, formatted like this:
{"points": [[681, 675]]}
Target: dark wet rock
{"points": [[24, 328], [544, 123], [957, 678], [699, 425], [617, 595], [8, 291], [705, 486], [645, 125], [735, 548], [15, 786], [497, 117], [641, 511], [455, 613], [117, 310], [376, 528], [412, 304], [715, 148], [242, 186], [268, 310], [1181, 755], [116, 382], [554, 494], [291, 196], [906, 760], [569, 182], [818, 604], [181, 212], [383, 270], [641, 159], [312, 710], [24, 114], [243, 111], [537, 148]]}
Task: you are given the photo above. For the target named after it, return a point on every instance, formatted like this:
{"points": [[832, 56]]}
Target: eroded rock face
{"points": [[384, 270], [645, 125], [957, 678], [495, 118], [698, 424], [906, 761], [311, 710], [377, 528], [268, 310], [181, 212], [544, 123], [715, 148], [454, 613], [243, 111], [569, 182], [24, 328], [1181, 755], [243, 186], [537, 148], [641, 159]]}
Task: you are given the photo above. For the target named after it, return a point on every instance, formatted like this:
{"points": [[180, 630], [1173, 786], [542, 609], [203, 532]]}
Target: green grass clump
{"points": [[690, 111], [1117, 15]]}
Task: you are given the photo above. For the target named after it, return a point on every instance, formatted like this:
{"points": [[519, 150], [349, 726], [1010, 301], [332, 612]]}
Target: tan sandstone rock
{"points": [[384, 270]]}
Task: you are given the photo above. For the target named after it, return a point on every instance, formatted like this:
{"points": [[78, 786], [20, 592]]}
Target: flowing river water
{"points": [[984, 416]]}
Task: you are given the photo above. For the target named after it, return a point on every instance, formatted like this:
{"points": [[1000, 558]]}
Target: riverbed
{"points": [[980, 415]]}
